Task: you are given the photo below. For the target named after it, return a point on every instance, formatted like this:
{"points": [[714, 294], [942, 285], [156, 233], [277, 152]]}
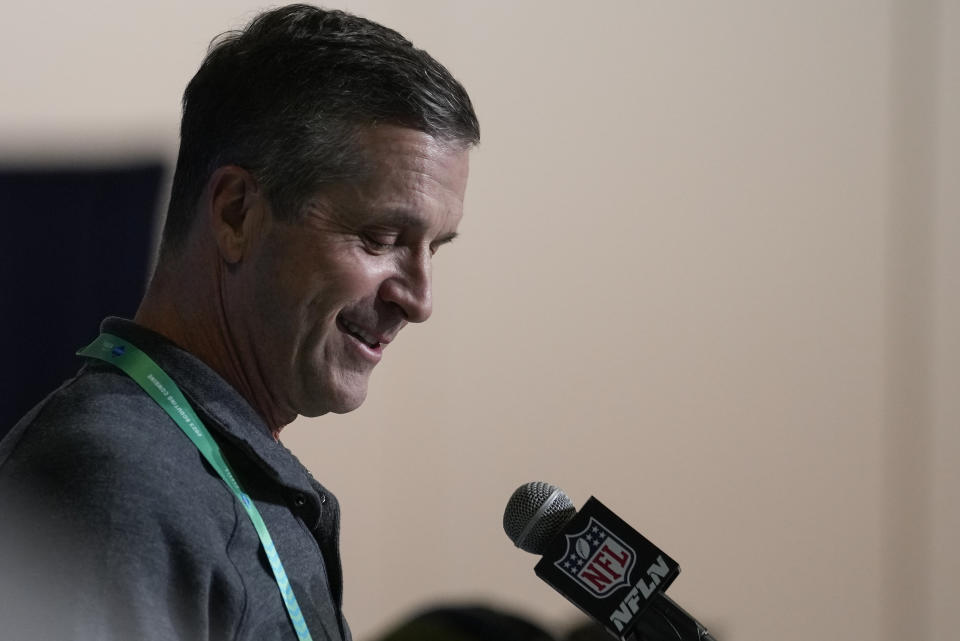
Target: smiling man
{"points": [[323, 162], [296, 313]]}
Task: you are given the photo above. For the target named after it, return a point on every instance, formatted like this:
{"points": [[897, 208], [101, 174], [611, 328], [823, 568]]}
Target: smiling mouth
{"points": [[358, 333]]}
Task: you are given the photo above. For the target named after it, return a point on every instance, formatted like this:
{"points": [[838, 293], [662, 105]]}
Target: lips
{"points": [[360, 333]]}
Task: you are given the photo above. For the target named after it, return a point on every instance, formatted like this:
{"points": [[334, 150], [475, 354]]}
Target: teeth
{"points": [[370, 340]]}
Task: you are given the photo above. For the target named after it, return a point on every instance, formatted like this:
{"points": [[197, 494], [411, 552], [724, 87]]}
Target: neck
{"points": [[190, 312]]}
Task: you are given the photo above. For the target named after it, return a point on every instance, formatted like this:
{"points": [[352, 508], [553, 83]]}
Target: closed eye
{"points": [[378, 243], [440, 242]]}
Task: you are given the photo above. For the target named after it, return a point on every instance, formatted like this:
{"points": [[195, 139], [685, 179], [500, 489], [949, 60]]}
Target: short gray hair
{"points": [[285, 96]]}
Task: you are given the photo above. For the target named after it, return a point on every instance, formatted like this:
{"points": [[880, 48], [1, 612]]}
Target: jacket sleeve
{"points": [[99, 539]]}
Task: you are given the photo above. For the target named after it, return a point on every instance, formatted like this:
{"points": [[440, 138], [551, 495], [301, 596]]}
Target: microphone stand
{"points": [[664, 620]]}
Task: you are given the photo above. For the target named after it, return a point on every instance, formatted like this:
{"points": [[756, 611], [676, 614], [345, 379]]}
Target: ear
{"points": [[237, 211]]}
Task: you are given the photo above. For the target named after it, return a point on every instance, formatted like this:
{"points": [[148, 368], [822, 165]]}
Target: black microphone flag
{"points": [[596, 558], [600, 564]]}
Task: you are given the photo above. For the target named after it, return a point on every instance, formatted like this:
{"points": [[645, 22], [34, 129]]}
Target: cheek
{"points": [[355, 280], [309, 286], [276, 293], [281, 301], [314, 301]]}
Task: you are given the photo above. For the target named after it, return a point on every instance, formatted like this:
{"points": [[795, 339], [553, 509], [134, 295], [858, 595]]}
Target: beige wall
{"points": [[708, 273]]}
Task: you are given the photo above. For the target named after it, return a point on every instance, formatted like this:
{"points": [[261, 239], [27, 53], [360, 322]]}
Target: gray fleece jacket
{"points": [[113, 526]]}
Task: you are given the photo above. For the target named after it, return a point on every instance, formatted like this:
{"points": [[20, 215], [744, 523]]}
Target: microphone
{"points": [[600, 564]]}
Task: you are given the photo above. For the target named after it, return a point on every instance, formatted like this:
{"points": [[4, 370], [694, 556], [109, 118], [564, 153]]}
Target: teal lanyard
{"points": [[165, 392]]}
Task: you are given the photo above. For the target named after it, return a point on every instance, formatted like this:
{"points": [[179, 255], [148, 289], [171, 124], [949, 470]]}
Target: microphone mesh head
{"points": [[535, 514]]}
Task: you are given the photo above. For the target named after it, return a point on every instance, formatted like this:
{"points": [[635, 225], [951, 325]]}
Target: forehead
{"points": [[409, 179], [407, 159]]}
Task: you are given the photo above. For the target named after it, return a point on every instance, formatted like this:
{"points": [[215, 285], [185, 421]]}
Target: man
{"points": [[323, 161]]}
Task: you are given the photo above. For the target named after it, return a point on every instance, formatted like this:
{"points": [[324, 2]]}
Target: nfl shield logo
{"points": [[597, 560]]}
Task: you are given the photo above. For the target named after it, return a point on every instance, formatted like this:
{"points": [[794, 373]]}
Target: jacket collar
{"points": [[231, 416]]}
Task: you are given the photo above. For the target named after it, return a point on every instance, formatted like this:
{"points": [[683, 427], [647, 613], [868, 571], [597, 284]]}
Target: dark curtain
{"points": [[74, 248]]}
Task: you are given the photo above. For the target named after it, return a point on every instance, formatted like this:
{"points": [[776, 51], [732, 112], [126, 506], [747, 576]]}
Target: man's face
{"points": [[328, 293]]}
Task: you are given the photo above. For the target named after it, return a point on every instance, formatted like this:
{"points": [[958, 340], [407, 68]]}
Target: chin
{"points": [[348, 405], [334, 402], [322, 391]]}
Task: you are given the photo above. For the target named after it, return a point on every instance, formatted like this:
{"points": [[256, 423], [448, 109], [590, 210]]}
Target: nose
{"points": [[410, 288]]}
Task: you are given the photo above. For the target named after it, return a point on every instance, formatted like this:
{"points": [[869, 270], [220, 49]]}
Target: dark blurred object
{"points": [[592, 631], [588, 631], [469, 623], [74, 248]]}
